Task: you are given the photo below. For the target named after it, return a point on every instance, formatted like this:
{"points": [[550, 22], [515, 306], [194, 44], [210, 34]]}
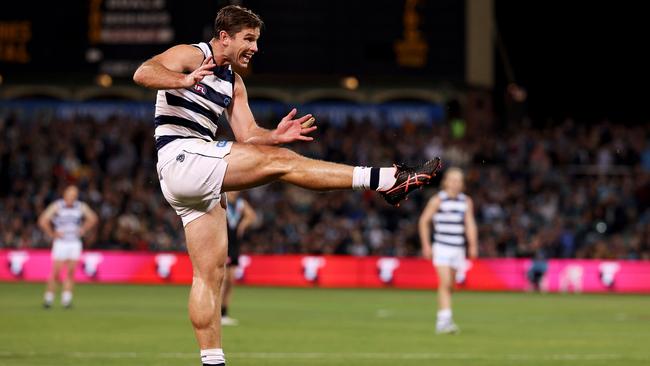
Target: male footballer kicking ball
{"points": [[195, 86]]}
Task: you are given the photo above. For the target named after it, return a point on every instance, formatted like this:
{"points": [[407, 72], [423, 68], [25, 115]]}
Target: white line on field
{"points": [[342, 356]]}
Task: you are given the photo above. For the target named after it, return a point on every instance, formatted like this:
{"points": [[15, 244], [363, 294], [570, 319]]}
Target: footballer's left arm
{"points": [[90, 219], [248, 219], [472, 230], [247, 130]]}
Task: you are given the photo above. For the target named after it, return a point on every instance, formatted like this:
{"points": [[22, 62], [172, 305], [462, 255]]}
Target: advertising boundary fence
{"points": [[503, 274]]}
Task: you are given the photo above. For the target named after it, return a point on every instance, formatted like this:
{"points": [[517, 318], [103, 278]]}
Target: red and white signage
{"points": [[338, 271]]}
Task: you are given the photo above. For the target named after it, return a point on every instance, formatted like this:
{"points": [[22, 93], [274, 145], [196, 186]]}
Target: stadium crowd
{"points": [[566, 190]]}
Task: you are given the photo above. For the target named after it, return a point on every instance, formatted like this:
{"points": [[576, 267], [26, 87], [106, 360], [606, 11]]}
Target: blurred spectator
{"points": [[539, 253]]}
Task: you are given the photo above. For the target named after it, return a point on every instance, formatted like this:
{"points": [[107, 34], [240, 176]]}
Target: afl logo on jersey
{"points": [[200, 89], [226, 101]]}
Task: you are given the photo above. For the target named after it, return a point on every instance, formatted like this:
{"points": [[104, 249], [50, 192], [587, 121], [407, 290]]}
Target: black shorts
{"points": [[233, 248]]}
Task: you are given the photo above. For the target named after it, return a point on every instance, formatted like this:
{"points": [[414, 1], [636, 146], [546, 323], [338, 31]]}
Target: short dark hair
{"points": [[234, 18]]}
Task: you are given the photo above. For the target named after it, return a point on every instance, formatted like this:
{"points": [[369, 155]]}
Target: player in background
{"points": [[196, 85], [452, 213], [240, 216], [66, 221]]}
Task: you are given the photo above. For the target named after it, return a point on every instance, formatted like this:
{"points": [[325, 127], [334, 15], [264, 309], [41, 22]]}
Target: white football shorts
{"points": [[66, 249], [447, 255], [191, 173]]}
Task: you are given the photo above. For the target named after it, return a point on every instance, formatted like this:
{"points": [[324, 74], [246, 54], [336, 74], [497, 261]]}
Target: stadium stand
{"points": [[564, 191]]}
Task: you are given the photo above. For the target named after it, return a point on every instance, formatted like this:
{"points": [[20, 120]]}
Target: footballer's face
{"points": [[70, 195], [239, 49], [454, 182]]}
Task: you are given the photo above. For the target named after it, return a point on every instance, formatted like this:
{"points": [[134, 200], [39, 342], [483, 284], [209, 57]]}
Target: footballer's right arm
{"points": [[248, 219], [45, 221], [179, 67], [424, 225]]}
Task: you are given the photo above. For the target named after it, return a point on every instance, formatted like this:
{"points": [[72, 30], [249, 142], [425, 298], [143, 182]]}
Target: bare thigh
{"points": [[207, 242], [254, 165]]}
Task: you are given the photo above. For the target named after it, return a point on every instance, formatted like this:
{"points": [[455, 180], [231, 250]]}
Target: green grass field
{"points": [[148, 325]]}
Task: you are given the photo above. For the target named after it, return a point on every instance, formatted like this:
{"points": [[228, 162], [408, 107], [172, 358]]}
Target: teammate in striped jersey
{"points": [[196, 85], [66, 221], [452, 213]]}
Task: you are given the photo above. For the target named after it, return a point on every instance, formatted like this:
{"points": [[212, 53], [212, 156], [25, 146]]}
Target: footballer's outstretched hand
{"points": [[290, 129]]}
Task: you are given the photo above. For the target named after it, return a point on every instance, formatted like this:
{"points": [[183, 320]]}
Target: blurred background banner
{"points": [[618, 276], [337, 113], [419, 38]]}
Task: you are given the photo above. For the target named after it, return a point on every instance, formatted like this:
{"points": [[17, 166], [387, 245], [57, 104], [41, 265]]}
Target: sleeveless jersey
{"points": [[449, 221], [234, 213], [193, 112], [67, 220]]}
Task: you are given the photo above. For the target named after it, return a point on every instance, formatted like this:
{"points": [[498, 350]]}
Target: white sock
{"points": [[444, 316], [386, 178], [361, 177], [380, 179], [49, 297], [66, 297], [213, 356]]}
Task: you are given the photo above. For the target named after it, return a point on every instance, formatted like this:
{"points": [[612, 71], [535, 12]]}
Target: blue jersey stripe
{"points": [[452, 211], [224, 73], [177, 101], [451, 234], [450, 222], [207, 92], [161, 141], [449, 244]]}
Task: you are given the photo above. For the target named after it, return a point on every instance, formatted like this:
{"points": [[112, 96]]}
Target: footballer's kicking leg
{"points": [[254, 165], [207, 245]]}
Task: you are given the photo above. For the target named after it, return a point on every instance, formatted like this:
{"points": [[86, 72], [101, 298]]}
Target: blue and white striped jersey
{"points": [[68, 219], [193, 112], [449, 221]]}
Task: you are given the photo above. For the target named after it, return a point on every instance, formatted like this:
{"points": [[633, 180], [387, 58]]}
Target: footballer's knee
{"points": [[213, 274], [277, 161]]}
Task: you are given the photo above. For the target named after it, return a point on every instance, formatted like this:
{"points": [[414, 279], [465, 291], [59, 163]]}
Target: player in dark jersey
{"points": [[240, 216]]}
